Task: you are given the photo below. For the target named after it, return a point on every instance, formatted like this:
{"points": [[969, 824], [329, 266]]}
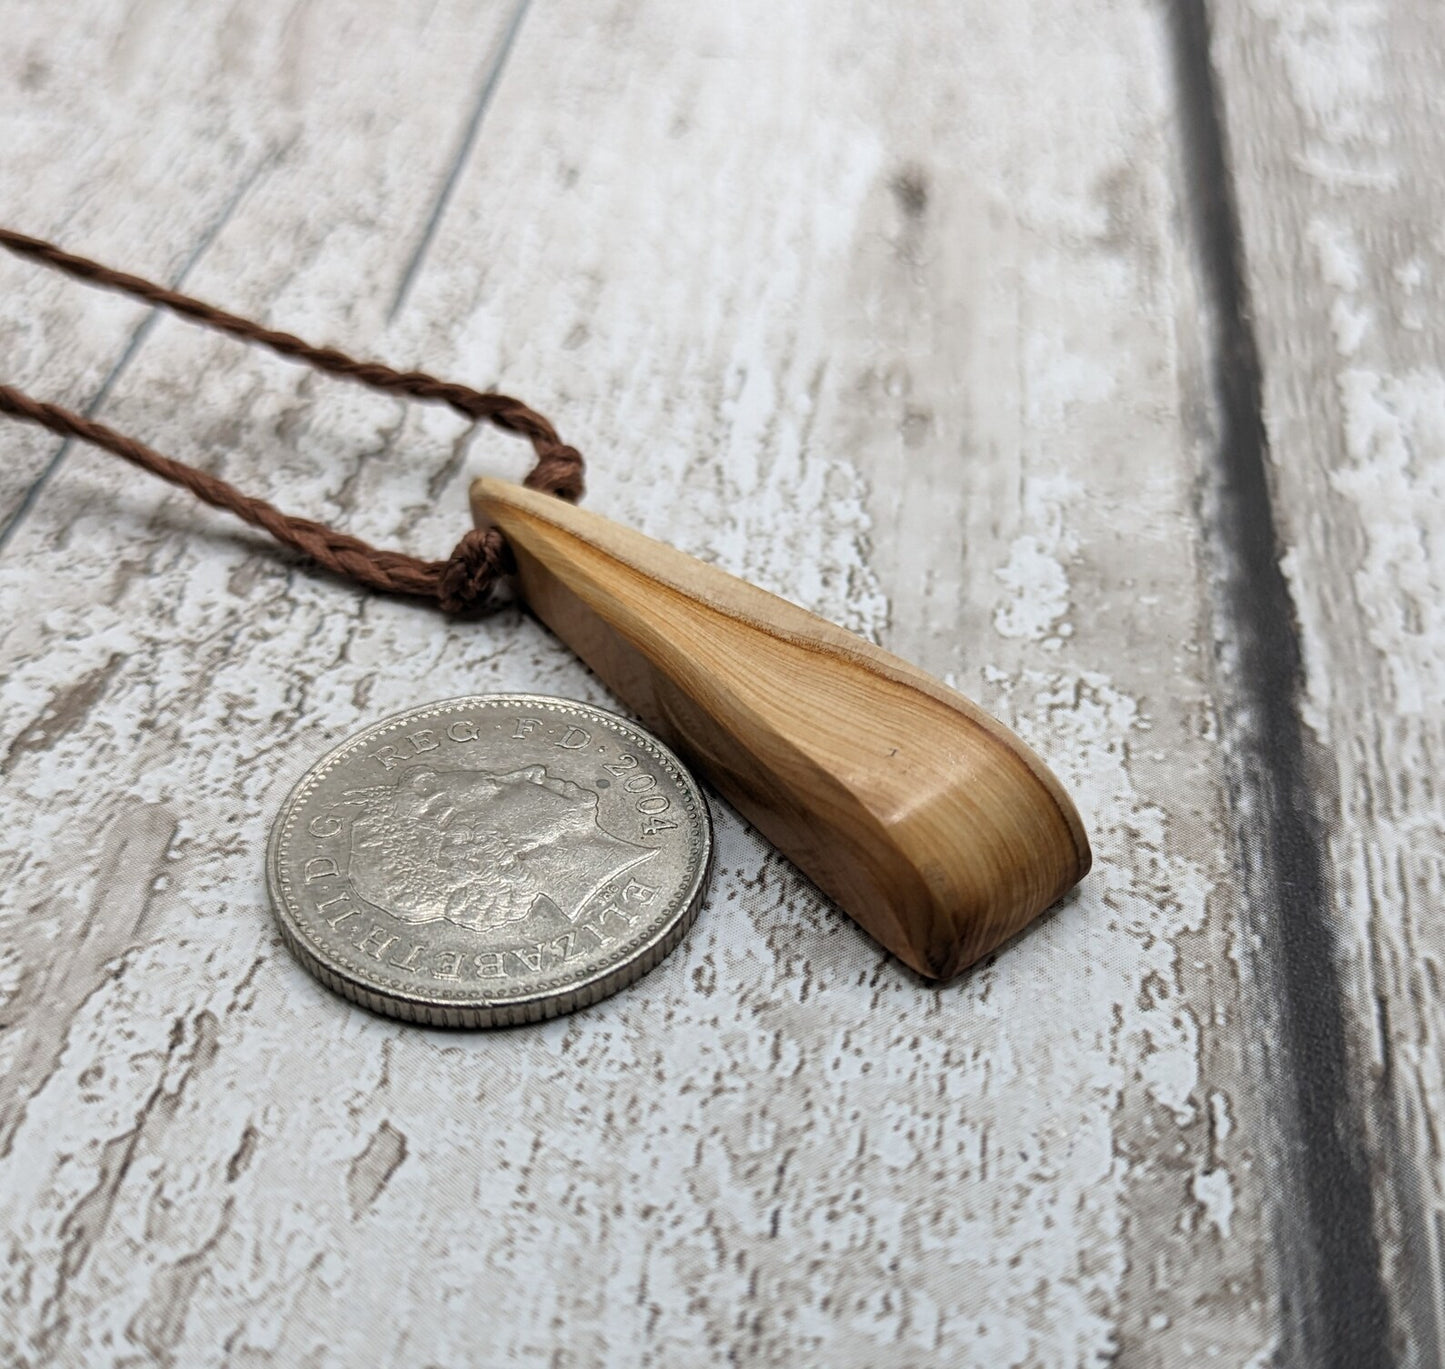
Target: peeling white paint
{"points": [[1394, 429], [1214, 1192], [1039, 592]]}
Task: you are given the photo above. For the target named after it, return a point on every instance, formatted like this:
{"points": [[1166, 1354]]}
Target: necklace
{"points": [[928, 821]]}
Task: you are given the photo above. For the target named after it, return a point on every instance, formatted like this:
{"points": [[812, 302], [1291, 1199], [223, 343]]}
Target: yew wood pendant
{"points": [[925, 819], [929, 822]]}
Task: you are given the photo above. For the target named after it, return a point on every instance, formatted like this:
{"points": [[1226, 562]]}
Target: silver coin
{"points": [[490, 860]]}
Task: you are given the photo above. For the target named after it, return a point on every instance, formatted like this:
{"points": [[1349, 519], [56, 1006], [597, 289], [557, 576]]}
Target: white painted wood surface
{"points": [[1334, 121], [891, 313]]}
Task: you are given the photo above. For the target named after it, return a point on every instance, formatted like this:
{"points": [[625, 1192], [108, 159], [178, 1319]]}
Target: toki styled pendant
{"points": [[927, 821], [930, 823]]}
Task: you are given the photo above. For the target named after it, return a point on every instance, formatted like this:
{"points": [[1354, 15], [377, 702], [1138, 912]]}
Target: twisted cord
{"points": [[463, 580]]}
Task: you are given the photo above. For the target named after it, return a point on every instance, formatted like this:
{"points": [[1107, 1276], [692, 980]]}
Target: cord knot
{"points": [[558, 471], [471, 572]]}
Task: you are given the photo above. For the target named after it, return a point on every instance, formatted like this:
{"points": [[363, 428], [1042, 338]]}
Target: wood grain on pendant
{"points": [[926, 820]]}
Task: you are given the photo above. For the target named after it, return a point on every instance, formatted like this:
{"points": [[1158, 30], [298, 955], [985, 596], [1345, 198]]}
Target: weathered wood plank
{"points": [[1333, 121], [111, 142], [890, 317]]}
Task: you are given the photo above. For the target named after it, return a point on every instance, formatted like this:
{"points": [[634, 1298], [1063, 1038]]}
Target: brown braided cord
{"points": [[462, 581]]}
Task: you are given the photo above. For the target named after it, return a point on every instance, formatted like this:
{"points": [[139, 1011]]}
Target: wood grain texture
{"points": [[1334, 124], [888, 314], [928, 822]]}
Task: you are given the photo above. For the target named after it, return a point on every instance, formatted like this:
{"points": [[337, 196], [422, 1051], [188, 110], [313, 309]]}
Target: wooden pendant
{"points": [[925, 819]]}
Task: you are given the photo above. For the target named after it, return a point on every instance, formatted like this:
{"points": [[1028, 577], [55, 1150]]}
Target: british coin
{"points": [[488, 861]]}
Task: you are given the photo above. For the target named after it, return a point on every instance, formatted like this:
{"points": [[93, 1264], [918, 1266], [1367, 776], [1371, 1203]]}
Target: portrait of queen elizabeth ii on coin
{"points": [[489, 861], [481, 849]]}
